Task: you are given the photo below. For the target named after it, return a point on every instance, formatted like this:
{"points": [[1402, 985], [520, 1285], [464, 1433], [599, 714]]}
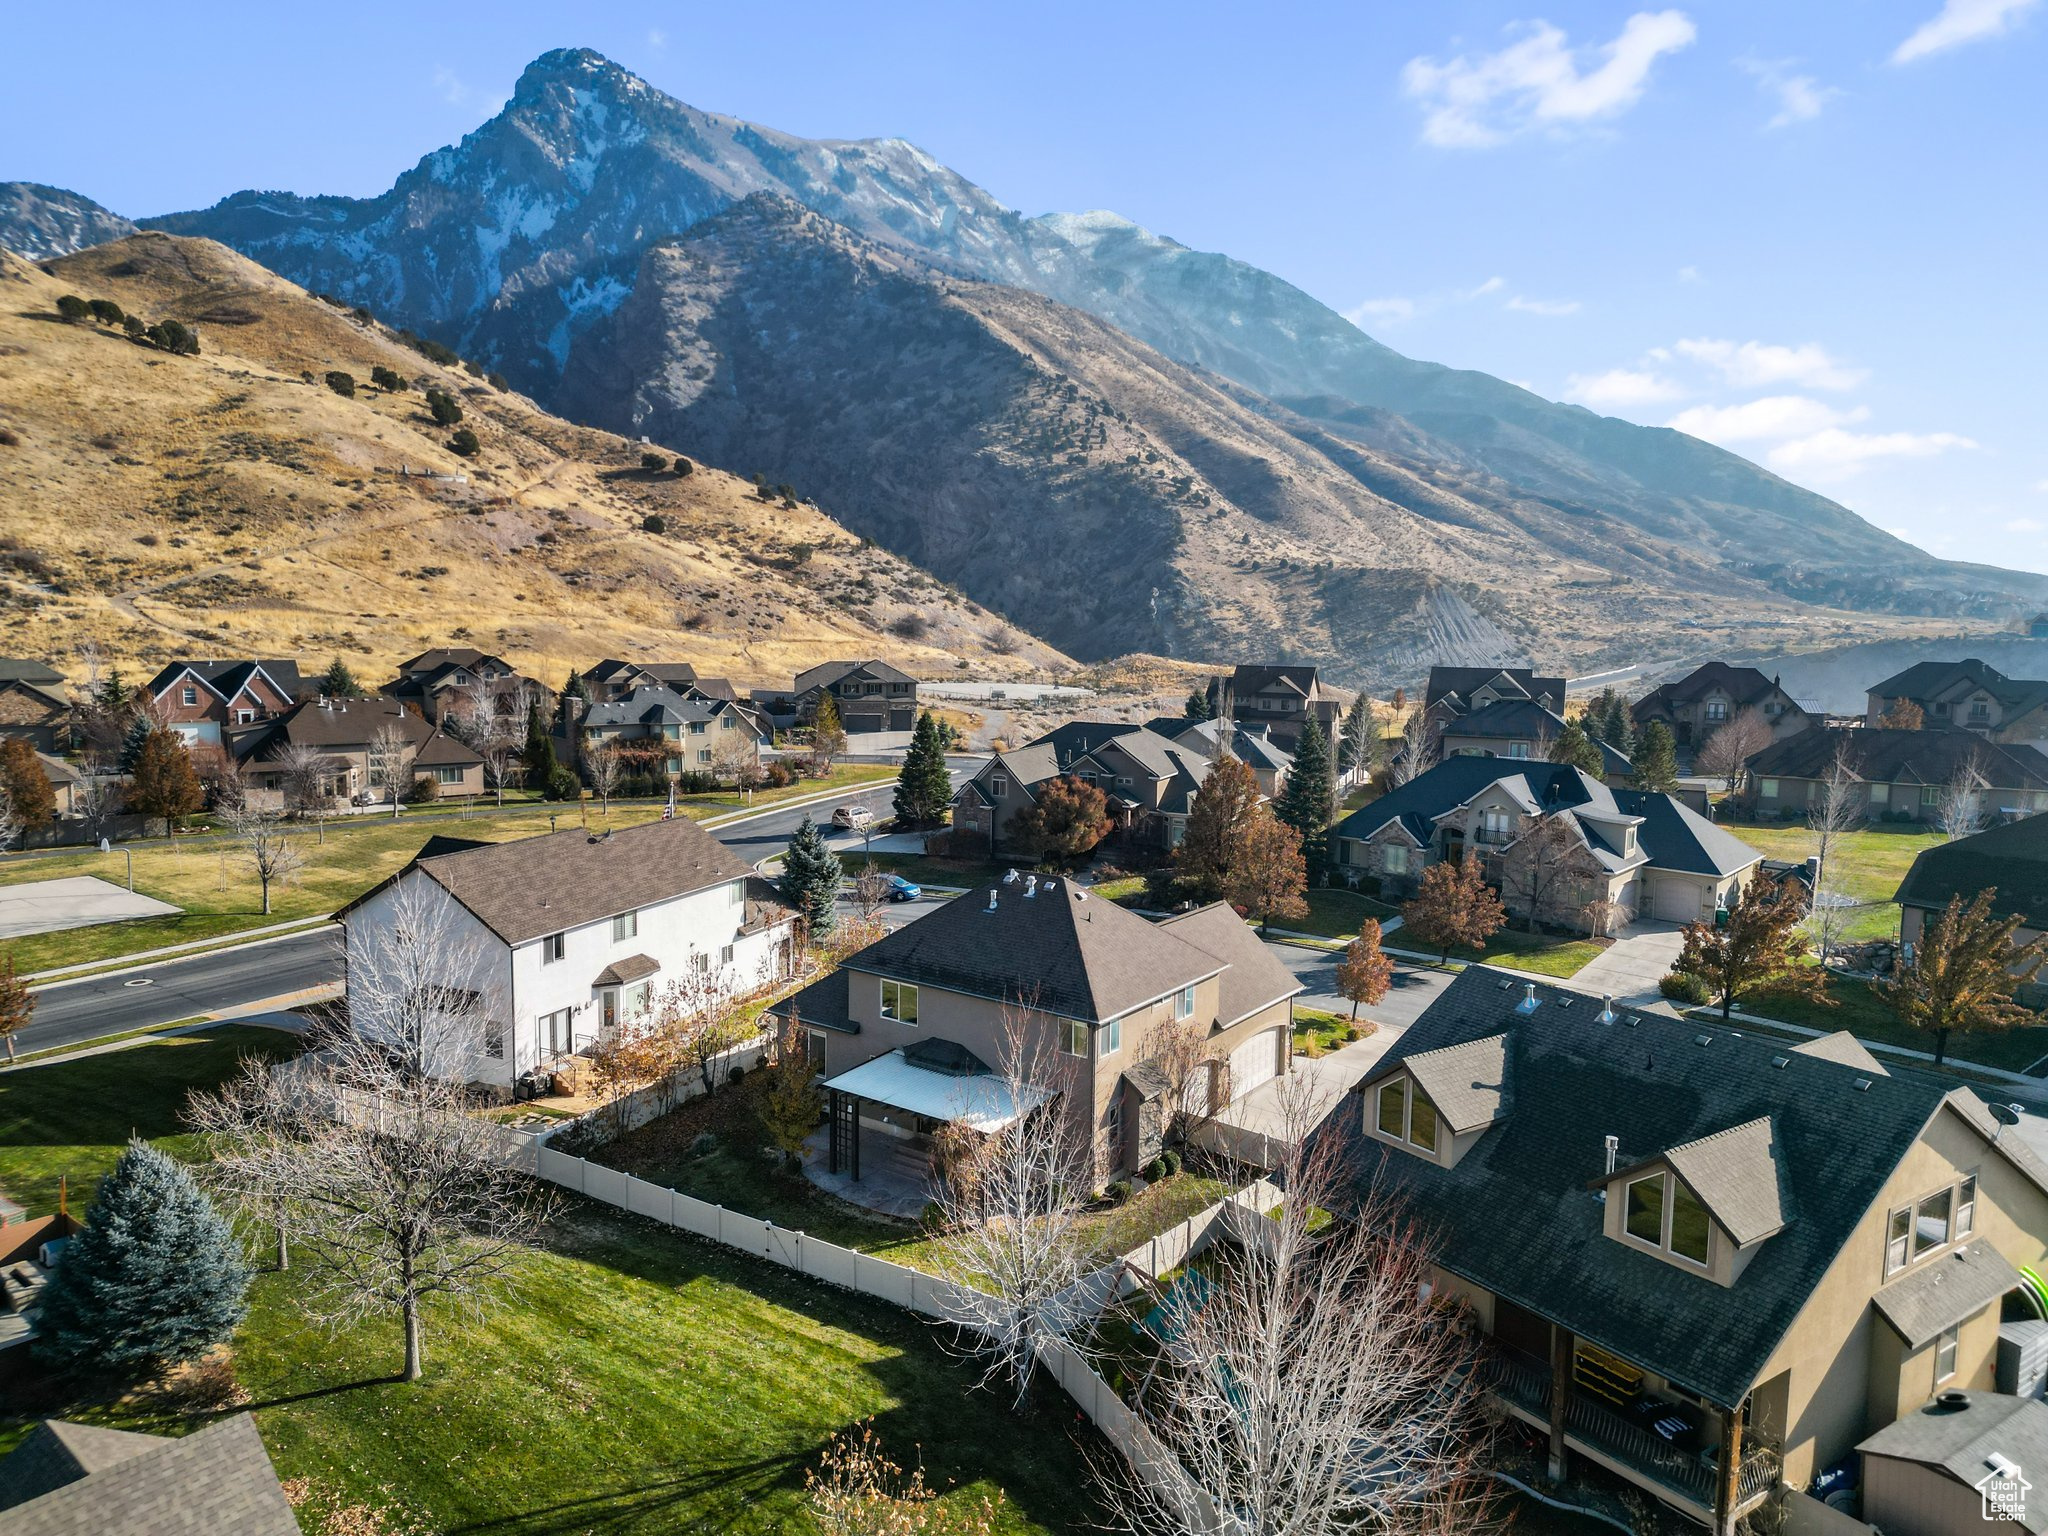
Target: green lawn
{"points": [[1869, 865], [70, 1119], [206, 877], [918, 868], [1540, 954], [1317, 1033], [1864, 1014], [1336, 914]]}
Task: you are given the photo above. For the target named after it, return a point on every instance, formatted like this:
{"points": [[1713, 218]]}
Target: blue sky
{"points": [[1811, 232]]}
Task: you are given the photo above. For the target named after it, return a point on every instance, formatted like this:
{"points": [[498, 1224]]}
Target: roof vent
{"points": [[1862, 1085], [1606, 1008], [1528, 1004], [1613, 1151], [992, 899], [1009, 877], [1702, 1039], [1506, 982], [1781, 1062], [1030, 886], [1079, 894], [1566, 1002], [1952, 1401]]}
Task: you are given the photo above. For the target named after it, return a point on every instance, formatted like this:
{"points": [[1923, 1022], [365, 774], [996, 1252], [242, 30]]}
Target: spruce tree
{"points": [[1620, 732], [1595, 718], [1575, 747], [810, 879], [157, 1276], [539, 752], [924, 788], [131, 744], [1656, 758], [1306, 797], [1198, 706], [339, 682]]}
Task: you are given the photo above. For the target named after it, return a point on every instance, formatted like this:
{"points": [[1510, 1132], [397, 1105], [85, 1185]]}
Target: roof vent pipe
{"points": [[991, 900], [1030, 885], [1613, 1151], [1606, 1007], [1528, 1003]]}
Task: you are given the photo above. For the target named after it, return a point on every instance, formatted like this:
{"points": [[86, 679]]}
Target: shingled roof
{"points": [[2012, 860], [1520, 1213], [1045, 943], [1902, 757], [1256, 978], [1924, 680], [80, 1480]]}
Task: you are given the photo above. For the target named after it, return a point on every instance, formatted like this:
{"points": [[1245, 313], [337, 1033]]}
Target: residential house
{"points": [[1279, 697], [1709, 696], [1906, 774], [345, 732], [2010, 861], [1455, 691], [1251, 744], [912, 1031], [1709, 1262], [877, 703], [1521, 729], [1149, 781], [66, 783], [1554, 840], [1958, 1463], [671, 733], [610, 681], [67, 1479], [204, 700], [571, 935], [1971, 695], [439, 682], [34, 703]]}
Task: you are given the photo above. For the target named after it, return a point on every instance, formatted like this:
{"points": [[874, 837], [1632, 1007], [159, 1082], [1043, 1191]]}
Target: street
{"points": [[70, 1013]]}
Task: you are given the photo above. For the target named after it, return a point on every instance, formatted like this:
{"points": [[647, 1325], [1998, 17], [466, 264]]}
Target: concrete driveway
{"points": [[1630, 968], [77, 901]]}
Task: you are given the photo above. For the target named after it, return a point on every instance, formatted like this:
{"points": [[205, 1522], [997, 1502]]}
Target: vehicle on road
{"points": [[901, 889], [854, 818]]}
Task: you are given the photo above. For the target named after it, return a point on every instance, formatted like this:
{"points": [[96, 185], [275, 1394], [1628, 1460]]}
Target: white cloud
{"points": [[1552, 307], [2041, 485], [1799, 98], [1538, 81], [1834, 454], [1758, 365], [2025, 525], [1381, 312], [1620, 388], [1959, 22], [657, 39], [449, 87], [1770, 419], [1491, 285], [1688, 274]]}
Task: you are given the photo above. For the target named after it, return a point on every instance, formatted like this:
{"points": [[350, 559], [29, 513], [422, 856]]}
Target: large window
{"points": [[1944, 1355], [1689, 1224], [447, 775], [1394, 859], [1077, 1039], [625, 926], [1422, 1124], [1394, 1107], [1931, 1221], [899, 1002], [1645, 1209]]}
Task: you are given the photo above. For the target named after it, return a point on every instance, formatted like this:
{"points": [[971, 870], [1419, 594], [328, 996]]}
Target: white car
{"points": [[852, 817]]}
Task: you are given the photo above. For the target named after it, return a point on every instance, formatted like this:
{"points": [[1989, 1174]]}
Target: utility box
{"points": [[2023, 1357]]}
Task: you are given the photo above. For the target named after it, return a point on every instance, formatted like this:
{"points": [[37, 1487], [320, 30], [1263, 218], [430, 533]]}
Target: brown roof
{"points": [[332, 723], [445, 750], [632, 968], [1256, 978], [78, 1480], [539, 885]]}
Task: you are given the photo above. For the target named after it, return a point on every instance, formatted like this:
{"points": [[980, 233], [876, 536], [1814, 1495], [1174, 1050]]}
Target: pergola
{"points": [[934, 1079]]}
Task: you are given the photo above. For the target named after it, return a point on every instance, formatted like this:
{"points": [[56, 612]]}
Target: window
{"points": [[1112, 1037], [899, 1001], [1966, 1208], [1644, 1209], [1944, 1355], [244, 716], [704, 756], [625, 926], [1394, 1107], [552, 948], [725, 954], [1394, 859], [1930, 794], [1184, 1003], [700, 962], [1518, 749], [494, 1040], [1768, 788], [1896, 1236], [1077, 1039], [1422, 1124], [1931, 1222], [447, 775], [998, 786], [557, 1032], [696, 727], [1717, 709], [188, 696], [1880, 794], [1689, 1224]]}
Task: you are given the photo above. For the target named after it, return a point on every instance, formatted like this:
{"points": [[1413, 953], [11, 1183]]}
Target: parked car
{"points": [[901, 889], [852, 817]]}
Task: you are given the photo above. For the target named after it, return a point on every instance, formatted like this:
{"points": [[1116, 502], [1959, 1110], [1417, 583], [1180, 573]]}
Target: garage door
{"points": [[1675, 901], [1254, 1062]]}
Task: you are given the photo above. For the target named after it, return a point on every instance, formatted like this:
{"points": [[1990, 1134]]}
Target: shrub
{"points": [[498, 382], [563, 785], [8, 438], [174, 337], [72, 307], [464, 442], [1172, 1160], [343, 384], [423, 792], [1684, 987], [1155, 1170], [737, 1074], [1118, 1192], [910, 626], [683, 465], [654, 463], [695, 781], [106, 311], [388, 379], [443, 407], [654, 522], [933, 1217], [780, 775], [133, 326], [703, 1144]]}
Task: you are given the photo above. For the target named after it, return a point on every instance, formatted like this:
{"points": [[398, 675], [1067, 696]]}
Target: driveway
{"points": [[1629, 969], [77, 901]]}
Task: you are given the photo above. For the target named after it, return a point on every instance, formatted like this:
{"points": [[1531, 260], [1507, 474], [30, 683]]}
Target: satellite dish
{"points": [[2006, 1114]]}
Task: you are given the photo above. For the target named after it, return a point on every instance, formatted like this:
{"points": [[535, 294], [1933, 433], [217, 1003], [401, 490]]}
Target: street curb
{"points": [[172, 951]]}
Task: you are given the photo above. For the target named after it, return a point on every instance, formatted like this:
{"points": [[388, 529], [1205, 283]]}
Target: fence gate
{"points": [[845, 1115]]}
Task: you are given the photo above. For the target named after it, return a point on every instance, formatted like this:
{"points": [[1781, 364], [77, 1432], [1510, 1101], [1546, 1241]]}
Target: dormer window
{"points": [[1407, 1116], [1660, 1212]]}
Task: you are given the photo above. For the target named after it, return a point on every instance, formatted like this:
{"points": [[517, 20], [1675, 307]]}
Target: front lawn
{"points": [[209, 879], [1334, 913], [1864, 1014], [918, 868], [1869, 864], [1317, 1033], [1538, 953], [69, 1120]]}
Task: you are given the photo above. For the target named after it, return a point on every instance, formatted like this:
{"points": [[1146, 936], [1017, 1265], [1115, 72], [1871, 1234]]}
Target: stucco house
{"points": [[1149, 782], [1905, 773], [1279, 696], [1520, 729], [876, 702], [2011, 861], [345, 733], [1251, 744], [1708, 1262], [612, 680], [436, 683], [1969, 695], [1553, 840], [1709, 696], [204, 700], [35, 704], [909, 1031], [672, 732], [570, 934]]}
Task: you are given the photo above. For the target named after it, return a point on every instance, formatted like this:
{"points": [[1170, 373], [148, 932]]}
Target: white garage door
{"points": [[1255, 1062], [1675, 901]]}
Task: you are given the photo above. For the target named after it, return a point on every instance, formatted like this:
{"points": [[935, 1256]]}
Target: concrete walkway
{"points": [[1629, 969]]}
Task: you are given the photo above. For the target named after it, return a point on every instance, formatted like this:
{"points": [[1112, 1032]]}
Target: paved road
{"points": [[70, 1012]]}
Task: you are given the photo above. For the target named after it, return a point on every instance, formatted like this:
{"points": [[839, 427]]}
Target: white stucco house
{"points": [[570, 934]]}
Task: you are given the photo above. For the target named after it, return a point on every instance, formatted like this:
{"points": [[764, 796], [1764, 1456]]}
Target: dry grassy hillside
{"points": [[232, 503]]}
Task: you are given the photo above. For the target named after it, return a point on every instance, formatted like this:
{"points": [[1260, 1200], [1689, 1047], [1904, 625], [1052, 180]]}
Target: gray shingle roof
{"points": [[75, 1480], [1738, 1178], [1457, 683], [1256, 978], [2010, 859], [621, 972], [1466, 1082], [1903, 757], [1944, 1291], [1924, 680], [1519, 1214], [1961, 1442], [1058, 950], [1845, 1048]]}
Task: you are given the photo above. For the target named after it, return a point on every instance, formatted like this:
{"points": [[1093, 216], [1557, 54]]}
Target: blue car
{"points": [[901, 889]]}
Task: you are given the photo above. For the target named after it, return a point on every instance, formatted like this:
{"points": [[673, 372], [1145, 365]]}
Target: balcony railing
{"points": [[1691, 1476]]}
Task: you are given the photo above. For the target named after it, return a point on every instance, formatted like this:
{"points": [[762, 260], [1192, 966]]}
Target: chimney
{"points": [[1613, 1151]]}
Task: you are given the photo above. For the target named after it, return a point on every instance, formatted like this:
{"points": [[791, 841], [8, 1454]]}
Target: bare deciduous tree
{"points": [[869, 893], [10, 820], [1179, 1049], [1318, 1386], [97, 799], [1540, 872], [1960, 810], [302, 774], [272, 855], [390, 757], [495, 733], [736, 756], [1010, 1198], [1834, 809], [604, 767], [1421, 746], [1728, 750], [365, 1151]]}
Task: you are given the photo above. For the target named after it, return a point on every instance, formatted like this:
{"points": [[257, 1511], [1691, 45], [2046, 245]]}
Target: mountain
{"points": [[39, 222], [527, 237], [163, 505]]}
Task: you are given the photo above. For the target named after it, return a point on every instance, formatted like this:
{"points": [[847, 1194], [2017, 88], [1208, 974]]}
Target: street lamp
{"points": [[107, 847]]}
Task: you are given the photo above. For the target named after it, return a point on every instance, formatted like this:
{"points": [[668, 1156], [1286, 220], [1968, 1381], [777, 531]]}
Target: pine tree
{"points": [[1575, 747], [1619, 730], [538, 755], [157, 1276], [1198, 706], [113, 693], [163, 783], [1307, 796], [131, 744], [925, 787], [338, 682], [810, 879], [1216, 827], [1655, 759]]}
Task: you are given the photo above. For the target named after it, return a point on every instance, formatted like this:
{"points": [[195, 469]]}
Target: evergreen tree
{"points": [[538, 755], [157, 1276], [113, 695], [1656, 758], [131, 744], [1575, 747], [338, 682], [1620, 730], [573, 705], [810, 879], [1198, 706], [924, 788], [1595, 718], [1310, 790]]}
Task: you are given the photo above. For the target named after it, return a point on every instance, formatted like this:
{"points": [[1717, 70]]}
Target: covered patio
{"points": [[907, 1094]]}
